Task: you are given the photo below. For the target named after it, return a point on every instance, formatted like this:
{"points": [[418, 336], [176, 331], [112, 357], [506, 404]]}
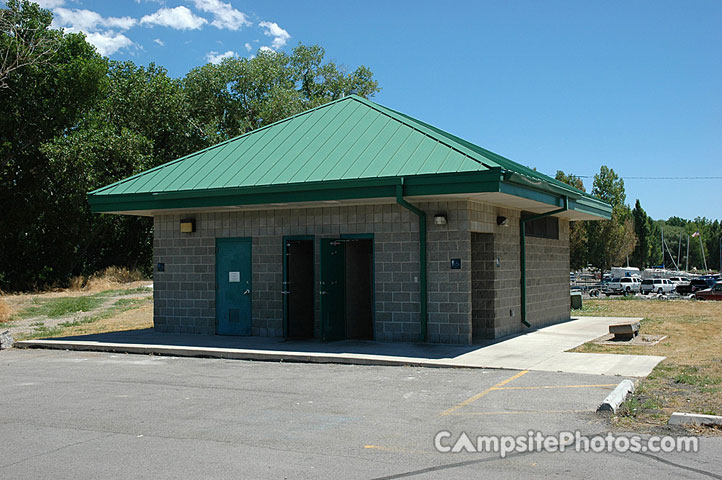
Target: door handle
{"points": [[247, 292], [285, 292]]}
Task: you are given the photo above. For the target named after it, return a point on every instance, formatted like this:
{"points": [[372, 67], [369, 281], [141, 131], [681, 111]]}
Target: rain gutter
{"points": [[422, 254]]}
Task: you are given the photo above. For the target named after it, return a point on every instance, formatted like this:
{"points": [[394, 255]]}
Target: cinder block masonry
{"points": [[479, 300]]}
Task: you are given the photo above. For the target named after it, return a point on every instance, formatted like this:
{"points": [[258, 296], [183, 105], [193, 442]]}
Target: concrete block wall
{"points": [[483, 293], [185, 292], [547, 277], [449, 290], [507, 278]]}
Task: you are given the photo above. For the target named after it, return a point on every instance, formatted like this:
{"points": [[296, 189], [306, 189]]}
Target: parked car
{"points": [[714, 293], [693, 286], [623, 286], [657, 285], [679, 280]]}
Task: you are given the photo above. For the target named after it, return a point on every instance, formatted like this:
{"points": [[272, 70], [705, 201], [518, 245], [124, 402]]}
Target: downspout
{"points": [[522, 248], [422, 253]]}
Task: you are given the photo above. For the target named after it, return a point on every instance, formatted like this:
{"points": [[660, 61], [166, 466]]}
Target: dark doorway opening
{"points": [[347, 289], [359, 289], [298, 288]]}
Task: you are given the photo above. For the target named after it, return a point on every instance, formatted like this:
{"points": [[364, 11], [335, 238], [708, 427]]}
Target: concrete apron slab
{"points": [[541, 349]]}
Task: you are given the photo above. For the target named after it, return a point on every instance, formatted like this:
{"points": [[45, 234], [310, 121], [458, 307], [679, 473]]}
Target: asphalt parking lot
{"points": [[101, 415]]}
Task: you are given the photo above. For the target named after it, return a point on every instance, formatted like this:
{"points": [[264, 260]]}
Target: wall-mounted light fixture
{"points": [[440, 219], [502, 221], [188, 225]]}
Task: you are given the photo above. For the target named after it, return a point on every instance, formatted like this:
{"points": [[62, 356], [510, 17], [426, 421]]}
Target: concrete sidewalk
{"points": [[541, 349]]}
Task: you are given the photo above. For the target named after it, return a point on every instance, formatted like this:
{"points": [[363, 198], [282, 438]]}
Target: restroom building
{"points": [[354, 221]]}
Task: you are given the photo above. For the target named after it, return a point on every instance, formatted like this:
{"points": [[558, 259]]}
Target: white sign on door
{"points": [[234, 277]]}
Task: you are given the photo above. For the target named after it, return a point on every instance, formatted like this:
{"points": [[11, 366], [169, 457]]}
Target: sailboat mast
{"points": [[701, 247]]}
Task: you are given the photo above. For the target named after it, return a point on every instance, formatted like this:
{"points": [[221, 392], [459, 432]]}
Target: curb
{"points": [[618, 395], [679, 418], [237, 354]]}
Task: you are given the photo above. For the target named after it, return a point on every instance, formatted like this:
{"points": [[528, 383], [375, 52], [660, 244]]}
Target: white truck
{"points": [[657, 285], [623, 286]]}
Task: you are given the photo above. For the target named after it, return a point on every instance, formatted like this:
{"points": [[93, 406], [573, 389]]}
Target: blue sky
{"points": [[565, 85]]}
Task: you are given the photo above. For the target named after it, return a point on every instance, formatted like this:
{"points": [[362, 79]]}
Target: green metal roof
{"points": [[345, 144]]}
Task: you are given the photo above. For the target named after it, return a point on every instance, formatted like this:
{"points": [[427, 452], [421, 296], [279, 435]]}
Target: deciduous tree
{"points": [[72, 121], [24, 38], [610, 242], [43, 100], [578, 255], [643, 230]]}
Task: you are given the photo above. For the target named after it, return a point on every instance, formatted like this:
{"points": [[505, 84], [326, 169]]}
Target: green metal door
{"points": [[332, 291], [233, 286]]}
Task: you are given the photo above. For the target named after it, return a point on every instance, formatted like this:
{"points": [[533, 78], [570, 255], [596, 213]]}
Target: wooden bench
{"points": [[625, 330]]}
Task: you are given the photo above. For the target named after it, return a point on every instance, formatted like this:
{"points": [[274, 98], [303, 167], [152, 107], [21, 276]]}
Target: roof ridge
{"points": [[526, 171], [219, 144], [421, 127]]}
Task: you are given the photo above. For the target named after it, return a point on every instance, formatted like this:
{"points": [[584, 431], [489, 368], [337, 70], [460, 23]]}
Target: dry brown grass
{"points": [[108, 279], [690, 379], [125, 313], [135, 319], [22, 301], [77, 283], [6, 312], [694, 328]]}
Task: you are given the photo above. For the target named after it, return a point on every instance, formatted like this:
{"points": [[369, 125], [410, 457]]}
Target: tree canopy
{"points": [[72, 121], [632, 234]]}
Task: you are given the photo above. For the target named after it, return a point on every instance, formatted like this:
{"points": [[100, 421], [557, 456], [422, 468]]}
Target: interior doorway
{"points": [[359, 289], [347, 288], [298, 281]]}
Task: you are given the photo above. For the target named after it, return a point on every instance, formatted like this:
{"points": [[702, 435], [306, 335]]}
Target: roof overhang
{"points": [[495, 186]]}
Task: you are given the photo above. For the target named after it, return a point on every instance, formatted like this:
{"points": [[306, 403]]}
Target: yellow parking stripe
{"points": [[481, 394]]}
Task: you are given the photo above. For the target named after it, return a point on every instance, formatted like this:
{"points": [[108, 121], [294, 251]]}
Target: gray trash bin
{"points": [[576, 300]]}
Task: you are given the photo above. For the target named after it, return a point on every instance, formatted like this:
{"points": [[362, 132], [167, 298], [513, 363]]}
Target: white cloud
{"points": [[76, 19], [248, 46], [159, 42], [50, 3], [224, 15], [122, 23], [99, 31], [216, 58], [88, 21], [179, 18], [266, 49], [280, 36], [109, 42]]}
